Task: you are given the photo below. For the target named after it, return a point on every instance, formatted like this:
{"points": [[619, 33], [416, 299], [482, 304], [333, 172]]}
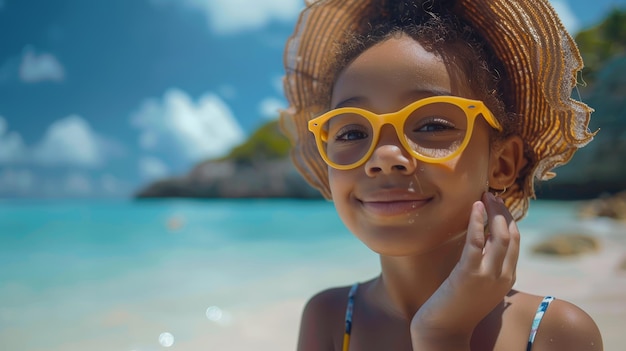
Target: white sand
{"points": [[594, 282]]}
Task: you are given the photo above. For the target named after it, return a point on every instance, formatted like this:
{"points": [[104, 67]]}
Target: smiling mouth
{"points": [[393, 208]]}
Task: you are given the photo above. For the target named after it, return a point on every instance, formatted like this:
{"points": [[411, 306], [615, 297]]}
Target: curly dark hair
{"points": [[439, 30]]}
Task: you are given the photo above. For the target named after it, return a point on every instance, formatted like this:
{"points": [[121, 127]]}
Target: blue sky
{"points": [[98, 97]]}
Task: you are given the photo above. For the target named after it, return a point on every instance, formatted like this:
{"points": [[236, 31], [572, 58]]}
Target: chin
{"points": [[409, 241]]}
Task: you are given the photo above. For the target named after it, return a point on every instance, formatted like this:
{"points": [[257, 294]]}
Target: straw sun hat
{"points": [[539, 57]]}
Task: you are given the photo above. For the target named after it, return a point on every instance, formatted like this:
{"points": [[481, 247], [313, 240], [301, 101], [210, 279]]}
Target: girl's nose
{"points": [[389, 156]]}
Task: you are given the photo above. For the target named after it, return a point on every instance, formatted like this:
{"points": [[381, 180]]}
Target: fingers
{"points": [[502, 247], [471, 258], [486, 272], [494, 251]]}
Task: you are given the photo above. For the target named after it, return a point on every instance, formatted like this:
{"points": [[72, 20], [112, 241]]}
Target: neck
{"points": [[407, 282]]}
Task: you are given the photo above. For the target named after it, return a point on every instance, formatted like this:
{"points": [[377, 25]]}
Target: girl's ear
{"points": [[507, 159]]}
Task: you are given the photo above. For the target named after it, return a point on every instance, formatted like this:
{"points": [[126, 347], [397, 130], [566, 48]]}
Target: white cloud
{"points": [[12, 147], [269, 107], [70, 141], [200, 130], [231, 16], [567, 16], [37, 68], [151, 167]]}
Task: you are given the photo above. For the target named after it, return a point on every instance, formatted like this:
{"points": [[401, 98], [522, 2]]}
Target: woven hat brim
{"points": [[540, 58]]}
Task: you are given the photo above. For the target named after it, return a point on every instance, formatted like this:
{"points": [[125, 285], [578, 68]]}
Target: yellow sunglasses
{"points": [[433, 130]]}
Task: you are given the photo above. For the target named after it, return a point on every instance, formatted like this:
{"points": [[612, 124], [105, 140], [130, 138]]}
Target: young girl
{"points": [[426, 122]]}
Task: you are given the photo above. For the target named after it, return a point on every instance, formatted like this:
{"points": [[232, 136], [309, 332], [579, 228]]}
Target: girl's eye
{"points": [[435, 124], [351, 135], [433, 127]]}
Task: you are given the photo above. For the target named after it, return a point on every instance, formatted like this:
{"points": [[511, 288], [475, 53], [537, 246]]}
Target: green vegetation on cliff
{"points": [[601, 43], [266, 143]]}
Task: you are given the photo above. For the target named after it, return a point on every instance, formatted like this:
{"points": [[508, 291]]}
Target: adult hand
{"points": [[480, 280]]}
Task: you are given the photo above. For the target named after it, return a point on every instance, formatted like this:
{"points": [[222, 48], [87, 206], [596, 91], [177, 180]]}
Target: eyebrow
{"points": [[423, 93], [349, 101]]}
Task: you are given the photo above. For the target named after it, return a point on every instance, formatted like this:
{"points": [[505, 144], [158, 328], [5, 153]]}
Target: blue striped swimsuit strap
{"points": [[541, 310], [349, 309]]}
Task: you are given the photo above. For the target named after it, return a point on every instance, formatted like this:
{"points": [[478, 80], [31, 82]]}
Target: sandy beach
{"points": [[596, 282]]}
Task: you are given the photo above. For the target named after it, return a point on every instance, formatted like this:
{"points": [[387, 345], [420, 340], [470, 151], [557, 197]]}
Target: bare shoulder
{"points": [[322, 322], [564, 326]]}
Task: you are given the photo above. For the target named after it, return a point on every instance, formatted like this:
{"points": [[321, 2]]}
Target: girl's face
{"points": [[394, 203]]}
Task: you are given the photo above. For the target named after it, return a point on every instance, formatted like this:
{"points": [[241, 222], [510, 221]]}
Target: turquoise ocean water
{"points": [[150, 275]]}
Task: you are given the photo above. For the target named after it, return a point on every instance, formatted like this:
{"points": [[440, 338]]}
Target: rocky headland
{"points": [[258, 168]]}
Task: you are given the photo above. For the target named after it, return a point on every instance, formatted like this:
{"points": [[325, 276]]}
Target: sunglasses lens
{"points": [[436, 130], [348, 138]]}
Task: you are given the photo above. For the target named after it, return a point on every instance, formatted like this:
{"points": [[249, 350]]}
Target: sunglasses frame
{"points": [[472, 109]]}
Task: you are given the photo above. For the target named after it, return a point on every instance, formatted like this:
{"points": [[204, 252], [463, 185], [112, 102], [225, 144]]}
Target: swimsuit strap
{"points": [[538, 316], [349, 309]]}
